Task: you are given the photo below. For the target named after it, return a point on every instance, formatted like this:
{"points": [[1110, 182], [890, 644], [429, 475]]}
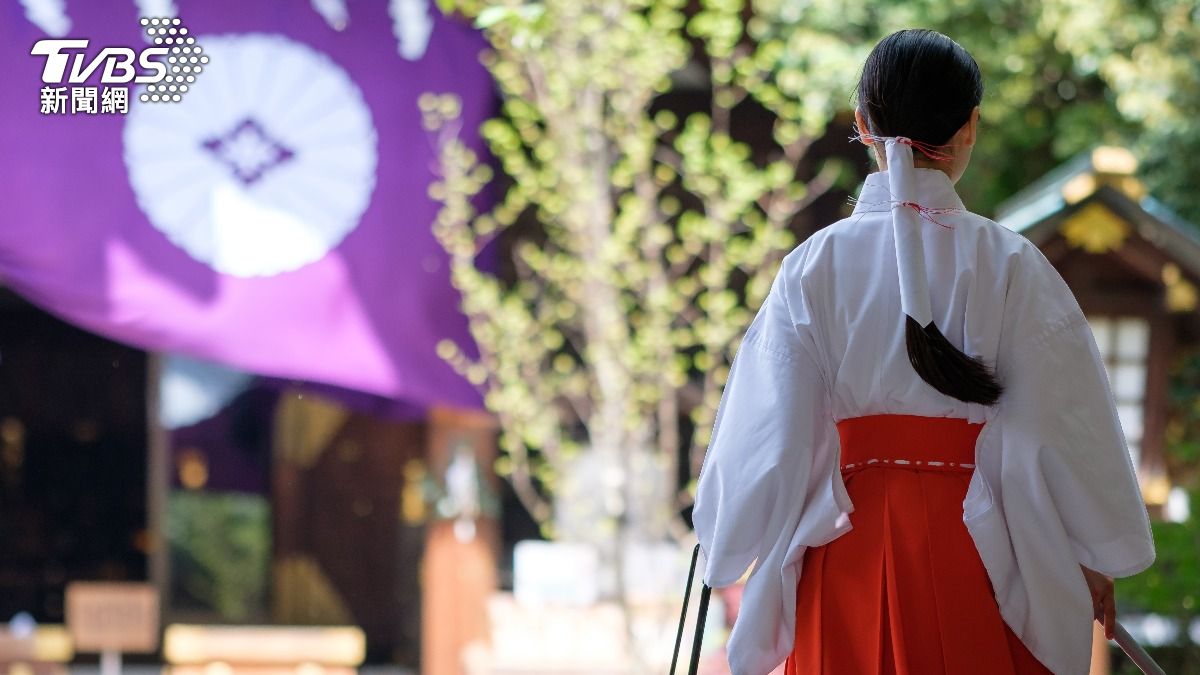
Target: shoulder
{"points": [[1020, 253], [793, 274], [783, 322], [1038, 303], [1036, 288], [800, 259], [819, 251], [1026, 269], [1011, 247]]}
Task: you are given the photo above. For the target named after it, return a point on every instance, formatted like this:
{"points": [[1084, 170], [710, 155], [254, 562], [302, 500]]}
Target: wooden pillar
{"points": [[1152, 469], [458, 573]]}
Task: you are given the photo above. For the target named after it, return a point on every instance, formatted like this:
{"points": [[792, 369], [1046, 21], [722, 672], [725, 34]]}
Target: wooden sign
{"points": [[113, 617]]}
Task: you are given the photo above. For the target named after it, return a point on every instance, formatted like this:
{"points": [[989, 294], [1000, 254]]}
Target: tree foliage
{"points": [[659, 235]]}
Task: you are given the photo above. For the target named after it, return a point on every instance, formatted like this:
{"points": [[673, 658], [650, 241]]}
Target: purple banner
{"points": [[276, 219]]}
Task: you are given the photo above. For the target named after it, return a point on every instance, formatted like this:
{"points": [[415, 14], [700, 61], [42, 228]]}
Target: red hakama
{"points": [[904, 592]]}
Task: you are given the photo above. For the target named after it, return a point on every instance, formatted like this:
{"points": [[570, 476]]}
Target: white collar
{"points": [[932, 189]]}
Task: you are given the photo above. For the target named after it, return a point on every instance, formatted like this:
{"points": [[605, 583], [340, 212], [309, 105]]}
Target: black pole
{"points": [[705, 591], [687, 593]]}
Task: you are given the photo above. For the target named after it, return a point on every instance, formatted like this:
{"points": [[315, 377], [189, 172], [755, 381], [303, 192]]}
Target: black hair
{"points": [[921, 84]]}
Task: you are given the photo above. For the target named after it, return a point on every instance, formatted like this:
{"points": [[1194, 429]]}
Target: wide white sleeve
{"points": [[757, 469], [1058, 404]]}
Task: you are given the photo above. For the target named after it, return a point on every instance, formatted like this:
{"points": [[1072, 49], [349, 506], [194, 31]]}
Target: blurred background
{"points": [[387, 335]]}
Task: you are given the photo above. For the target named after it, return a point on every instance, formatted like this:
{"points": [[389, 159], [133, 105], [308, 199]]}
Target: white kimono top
{"points": [[1054, 485]]}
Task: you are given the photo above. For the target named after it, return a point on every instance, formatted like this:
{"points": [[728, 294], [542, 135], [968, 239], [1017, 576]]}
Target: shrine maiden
{"points": [[917, 446]]}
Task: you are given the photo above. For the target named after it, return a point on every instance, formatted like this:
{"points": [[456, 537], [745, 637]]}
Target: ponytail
{"points": [[946, 368]]}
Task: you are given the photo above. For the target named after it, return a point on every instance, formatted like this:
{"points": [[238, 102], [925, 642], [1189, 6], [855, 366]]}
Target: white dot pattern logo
{"points": [[169, 32]]}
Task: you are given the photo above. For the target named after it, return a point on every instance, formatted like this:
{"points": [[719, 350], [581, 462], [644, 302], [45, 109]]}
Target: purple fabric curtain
{"points": [[276, 220]]}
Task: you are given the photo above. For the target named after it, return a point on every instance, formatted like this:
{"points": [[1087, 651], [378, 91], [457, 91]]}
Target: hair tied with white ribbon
{"points": [[906, 215], [906, 227]]}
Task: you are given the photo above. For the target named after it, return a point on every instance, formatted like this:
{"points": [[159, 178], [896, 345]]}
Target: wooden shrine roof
{"points": [[1092, 188]]}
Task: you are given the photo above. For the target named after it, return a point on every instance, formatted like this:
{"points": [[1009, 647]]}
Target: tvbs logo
{"points": [[166, 79]]}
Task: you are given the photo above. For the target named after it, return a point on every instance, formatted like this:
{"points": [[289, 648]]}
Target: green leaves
{"points": [[627, 294], [525, 14], [1171, 587]]}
